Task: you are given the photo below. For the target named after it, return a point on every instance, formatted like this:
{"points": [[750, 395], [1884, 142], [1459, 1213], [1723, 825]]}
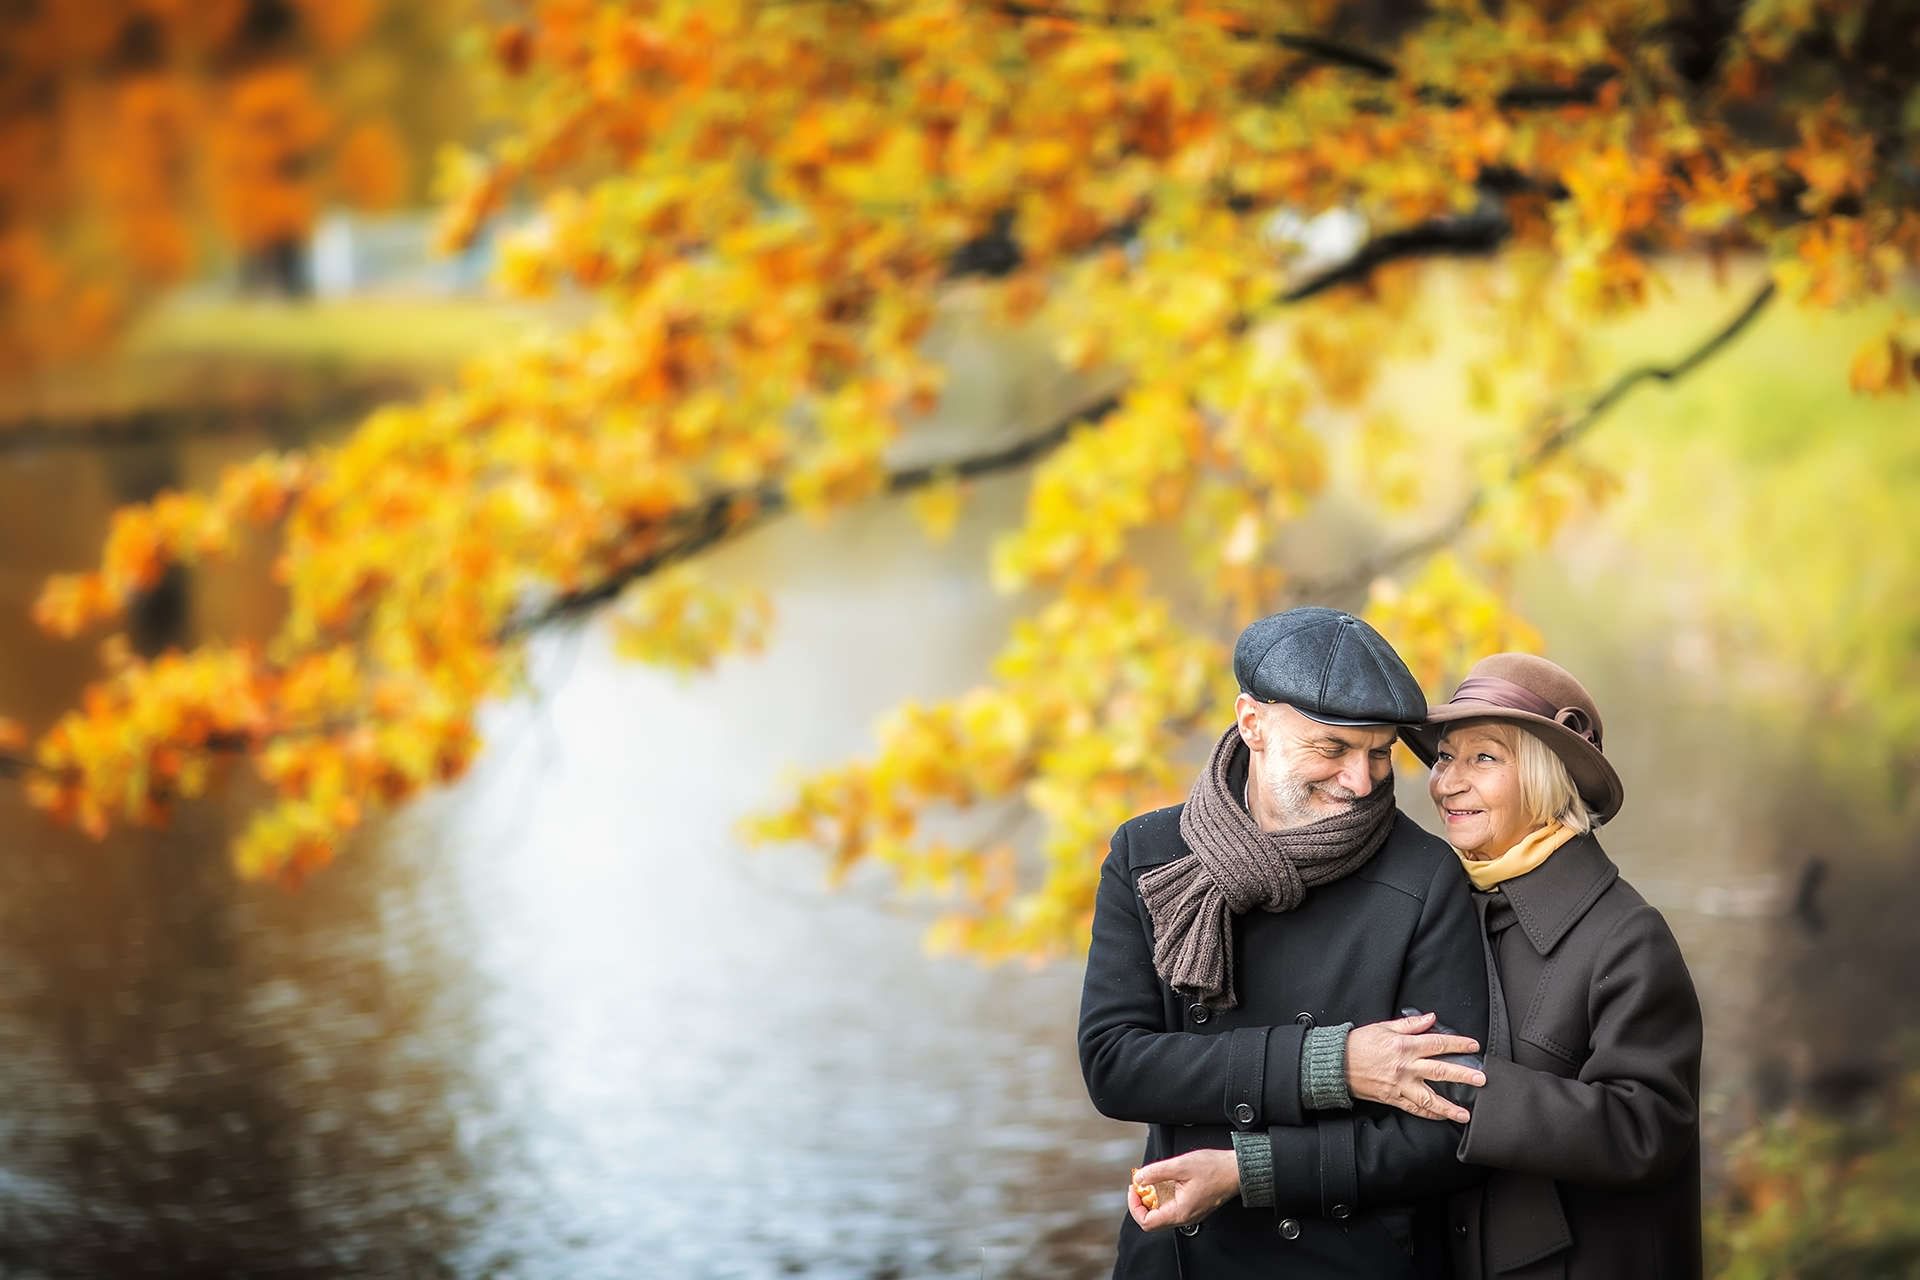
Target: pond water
{"points": [[557, 1021]]}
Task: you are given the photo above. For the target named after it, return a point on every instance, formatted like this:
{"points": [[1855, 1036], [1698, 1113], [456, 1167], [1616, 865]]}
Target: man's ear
{"points": [[1246, 714]]}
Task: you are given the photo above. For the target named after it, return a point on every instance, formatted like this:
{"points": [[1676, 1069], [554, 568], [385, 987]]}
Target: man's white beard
{"points": [[1301, 804]]}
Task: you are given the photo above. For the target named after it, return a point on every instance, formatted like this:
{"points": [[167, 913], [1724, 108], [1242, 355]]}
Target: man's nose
{"points": [[1356, 775]]}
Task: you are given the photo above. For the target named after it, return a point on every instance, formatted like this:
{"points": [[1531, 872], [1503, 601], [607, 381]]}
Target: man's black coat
{"points": [[1398, 933]]}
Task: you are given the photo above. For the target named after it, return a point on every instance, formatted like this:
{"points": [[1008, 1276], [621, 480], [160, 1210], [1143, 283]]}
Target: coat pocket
{"points": [[1553, 1024]]}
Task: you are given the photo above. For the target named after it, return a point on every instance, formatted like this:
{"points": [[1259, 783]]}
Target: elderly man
{"points": [[1237, 941]]}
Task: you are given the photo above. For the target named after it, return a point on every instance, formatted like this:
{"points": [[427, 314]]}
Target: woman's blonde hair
{"points": [[1547, 792]]}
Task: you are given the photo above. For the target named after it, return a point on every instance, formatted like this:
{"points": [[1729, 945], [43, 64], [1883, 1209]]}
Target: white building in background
{"points": [[356, 253]]}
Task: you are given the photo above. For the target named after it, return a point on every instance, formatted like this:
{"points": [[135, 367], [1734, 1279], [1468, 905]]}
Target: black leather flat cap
{"points": [[1328, 665]]}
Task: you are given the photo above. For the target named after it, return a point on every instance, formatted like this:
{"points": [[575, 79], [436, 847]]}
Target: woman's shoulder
{"points": [[1622, 922], [1622, 907]]}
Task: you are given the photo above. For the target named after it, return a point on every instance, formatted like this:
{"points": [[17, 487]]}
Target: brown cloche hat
{"points": [[1543, 697]]}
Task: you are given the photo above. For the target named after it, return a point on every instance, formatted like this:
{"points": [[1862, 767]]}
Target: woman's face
{"points": [[1475, 785]]}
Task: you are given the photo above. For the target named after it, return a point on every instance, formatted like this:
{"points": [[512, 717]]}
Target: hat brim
{"points": [[1346, 723], [1593, 775]]}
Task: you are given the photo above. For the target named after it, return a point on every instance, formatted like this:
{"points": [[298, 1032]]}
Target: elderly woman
{"points": [[1589, 1117]]}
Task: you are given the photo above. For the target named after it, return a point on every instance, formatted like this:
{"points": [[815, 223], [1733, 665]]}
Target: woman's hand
{"points": [[1190, 1187], [1392, 1062]]}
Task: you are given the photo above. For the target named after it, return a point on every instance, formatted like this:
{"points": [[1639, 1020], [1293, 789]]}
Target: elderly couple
{"points": [[1364, 1053]]}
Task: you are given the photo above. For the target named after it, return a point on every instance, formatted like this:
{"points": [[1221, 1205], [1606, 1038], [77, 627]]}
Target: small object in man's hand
{"points": [[1145, 1190]]}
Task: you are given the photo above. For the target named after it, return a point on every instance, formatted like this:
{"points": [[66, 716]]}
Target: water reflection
{"points": [[711, 1063]]}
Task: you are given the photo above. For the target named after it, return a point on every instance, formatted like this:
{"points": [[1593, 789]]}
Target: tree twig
{"points": [[1473, 236], [1552, 442], [734, 512], [1584, 91]]}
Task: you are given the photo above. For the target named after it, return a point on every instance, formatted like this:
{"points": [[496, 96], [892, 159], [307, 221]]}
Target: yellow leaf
{"points": [[1879, 367], [937, 508]]}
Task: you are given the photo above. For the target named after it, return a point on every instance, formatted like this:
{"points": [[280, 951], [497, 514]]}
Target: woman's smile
{"points": [[1476, 790]]}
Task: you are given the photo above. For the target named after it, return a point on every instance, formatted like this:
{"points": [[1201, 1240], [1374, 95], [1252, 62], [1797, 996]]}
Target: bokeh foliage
{"points": [[141, 140], [1829, 1197]]}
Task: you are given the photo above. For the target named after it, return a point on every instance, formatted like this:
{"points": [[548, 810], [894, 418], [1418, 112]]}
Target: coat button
{"points": [[1188, 1228], [1289, 1228], [1243, 1113], [1460, 1229], [1199, 1012], [1304, 1018], [1342, 1211]]}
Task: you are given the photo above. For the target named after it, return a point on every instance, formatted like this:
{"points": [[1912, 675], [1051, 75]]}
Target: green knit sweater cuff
{"points": [[1323, 1069], [1254, 1153]]}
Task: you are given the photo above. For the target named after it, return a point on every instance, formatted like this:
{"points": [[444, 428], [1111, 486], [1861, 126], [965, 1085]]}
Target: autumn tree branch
{"points": [[1474, 235], [1584, 91], [1554, 439], [731, 513], [728, 514]]}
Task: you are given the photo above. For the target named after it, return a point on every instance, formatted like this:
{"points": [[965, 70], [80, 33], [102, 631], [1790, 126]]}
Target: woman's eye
{"points": [[1443, 757], [1487, 759]]}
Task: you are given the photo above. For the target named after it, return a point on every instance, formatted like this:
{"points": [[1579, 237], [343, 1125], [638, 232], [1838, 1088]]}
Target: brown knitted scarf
{"points": [[1234, 867]]}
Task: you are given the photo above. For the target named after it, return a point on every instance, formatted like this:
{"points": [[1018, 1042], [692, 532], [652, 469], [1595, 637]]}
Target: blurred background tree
{"points": [[143, 140]]}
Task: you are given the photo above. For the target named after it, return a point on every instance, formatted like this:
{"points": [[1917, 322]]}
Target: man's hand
{"points": [[1191, 1186], [1392, 1062]]}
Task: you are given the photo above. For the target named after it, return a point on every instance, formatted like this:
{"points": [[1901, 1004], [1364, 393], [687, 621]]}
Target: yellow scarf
{"points": [[1517, 861]]}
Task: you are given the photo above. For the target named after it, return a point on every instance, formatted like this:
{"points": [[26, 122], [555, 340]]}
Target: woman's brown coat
{"points": [[1590, 1115]]}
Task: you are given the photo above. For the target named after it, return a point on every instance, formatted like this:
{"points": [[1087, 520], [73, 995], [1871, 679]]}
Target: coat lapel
{"points": [[1550, 899]]}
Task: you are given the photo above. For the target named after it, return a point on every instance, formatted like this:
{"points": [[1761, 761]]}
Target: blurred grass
{"points": [[194, 351], [426, 334]]}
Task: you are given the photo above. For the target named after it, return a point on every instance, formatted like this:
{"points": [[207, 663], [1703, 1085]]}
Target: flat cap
{"points": [[1328, 665]]}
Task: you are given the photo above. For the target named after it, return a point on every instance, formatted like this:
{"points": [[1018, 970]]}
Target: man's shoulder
{"points": [[1151, 837], [1409, 860]]}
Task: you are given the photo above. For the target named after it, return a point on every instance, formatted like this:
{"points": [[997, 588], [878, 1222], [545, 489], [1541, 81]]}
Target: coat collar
{"points": [[1550, 899]]}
